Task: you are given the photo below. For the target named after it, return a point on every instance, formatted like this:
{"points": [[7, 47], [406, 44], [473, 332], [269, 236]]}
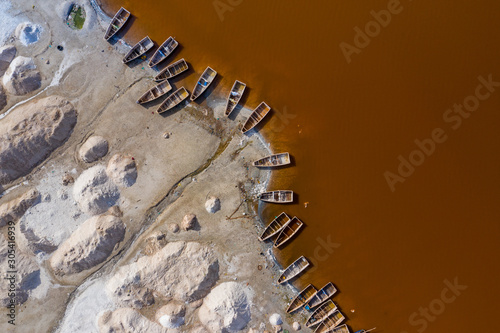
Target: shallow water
{"points": [[388, 252]]}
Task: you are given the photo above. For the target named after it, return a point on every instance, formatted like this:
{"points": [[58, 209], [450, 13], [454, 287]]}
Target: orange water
{"points": [[346, 124]]}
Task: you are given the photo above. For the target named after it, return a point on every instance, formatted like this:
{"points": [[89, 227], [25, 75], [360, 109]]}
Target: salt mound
{"points": [[275, 319], [93, 149], [94, 192], [3, 98], [212, 205], [226, 308], [7, 54], [127, 320], [89, 245], [189, 222], [122, 170], [27, 275], [28, 33], [14, 209], [30, 134], [171, 315], [182, 271], [22, 77]]}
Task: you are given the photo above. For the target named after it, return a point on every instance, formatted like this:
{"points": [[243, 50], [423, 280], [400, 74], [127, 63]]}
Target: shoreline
{"points": [[222, 99], [192, 125]]}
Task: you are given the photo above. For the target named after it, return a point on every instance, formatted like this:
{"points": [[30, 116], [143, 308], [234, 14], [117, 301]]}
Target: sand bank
{"points": [[204, 155]]}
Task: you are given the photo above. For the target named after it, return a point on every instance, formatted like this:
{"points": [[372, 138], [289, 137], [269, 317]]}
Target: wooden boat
{"points": [[172, 70], [331, 322], [288, 231], [366, 331], [203, 83], [302, 298], [234, 96], [156, 92], [281, 196], [117, 22], [297, 267], [143, 46], [341, 329], [256, 117], [321, 313], [174, 99], [321, 296], [163, 51], [274, 160], [275, 226]]}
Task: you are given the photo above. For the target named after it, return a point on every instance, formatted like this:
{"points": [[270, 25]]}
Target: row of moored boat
{"points": [[164, 88], [325, 317]]}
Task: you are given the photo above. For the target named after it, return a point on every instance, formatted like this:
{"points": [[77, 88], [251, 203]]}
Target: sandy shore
{"points": [[204, 156]]}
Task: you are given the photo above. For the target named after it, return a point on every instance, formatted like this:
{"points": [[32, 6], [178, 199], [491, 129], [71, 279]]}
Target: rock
{"points": [[28, 33], [212, 205], [15, 209], [3, 98], [154, 243], [7, 54], [127, 320], [88, 246], [275, 319], [67, 179], [183, 271], [63, 195], [171, 315], [94, 192], [27, 275], [122, 170], [199, 329], [296, 326], [173, 227], [226, 308], [188, 222], [93, 149], [22, 77], [30, 134]]}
